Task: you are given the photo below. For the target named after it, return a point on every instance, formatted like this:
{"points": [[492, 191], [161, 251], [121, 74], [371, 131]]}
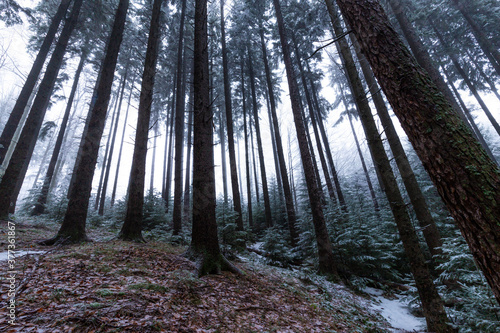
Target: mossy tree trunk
{"points": [[465, 177]]}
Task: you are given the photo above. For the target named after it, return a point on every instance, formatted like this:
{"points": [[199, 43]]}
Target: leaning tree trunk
{"points": [[204, 243], [319, 146], [179, 128], [422, 55], [466, 79], [432, 304], [466, 178], [229, 122], [132, 227], [73, 227], [327, 264], [27, 140], [490, 51], [426, 221], [24, 96], [42, 198]]}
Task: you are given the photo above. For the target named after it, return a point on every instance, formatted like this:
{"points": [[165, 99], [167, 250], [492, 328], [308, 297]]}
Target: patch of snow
{"points": [[257, 246], [395, 311], [5, 255]]}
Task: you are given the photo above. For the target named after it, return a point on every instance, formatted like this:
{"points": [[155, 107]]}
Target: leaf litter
{"points": [[117, 286]]}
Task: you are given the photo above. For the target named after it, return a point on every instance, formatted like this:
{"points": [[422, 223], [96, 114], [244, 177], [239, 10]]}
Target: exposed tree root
{"points": [[65, 240], [207, 263]]}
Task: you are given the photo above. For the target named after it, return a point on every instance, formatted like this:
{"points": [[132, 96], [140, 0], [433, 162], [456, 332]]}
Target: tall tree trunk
{"points": [[179, 128], [426, 221], [467, 180], [42, 198], [112, 145], [132, 227], [222, 137], [118, 162], [204, 244], [24, 148], [432, 304], [247, 157], [256, 181], [168, 181], [31, 80], [290, 208], [477, 132], [108, 142], [485, 77], [73, 227], [153, 159], [319, 145], [328, 151], [490, 51], [229, 122], [361, 157], [265, 189], [327, 263], [187, 186], [466, 79], [422, 55]]}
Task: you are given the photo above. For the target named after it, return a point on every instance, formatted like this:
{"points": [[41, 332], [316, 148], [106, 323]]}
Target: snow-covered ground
{"points": [[17, 254], [396, 312]]}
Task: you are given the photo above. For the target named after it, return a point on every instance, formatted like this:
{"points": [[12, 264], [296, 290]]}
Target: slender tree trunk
{"points": [[73, 227], [153, 160], [319, 146], [467, 180], [204, 244], [42, 198], [179, 128], [118, 162], [108, 142], [247, 155], [187, 186], [24, 96], [222, 137], [361, 157], [132, 227], [256, 181], [265, 189], [485, 77], [477, 132], [489, 50], [112, 145], [422, 55], [168, 181], [466, 79], [24, 148], [328, 150], [327, 263], [290, 208], [229, 122], [426, 221]]}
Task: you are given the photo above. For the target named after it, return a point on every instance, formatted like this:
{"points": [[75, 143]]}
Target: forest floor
{"points": [[114, 286]]}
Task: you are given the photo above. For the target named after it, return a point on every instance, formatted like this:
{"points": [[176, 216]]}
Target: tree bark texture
{"points": [[466, 178]]}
